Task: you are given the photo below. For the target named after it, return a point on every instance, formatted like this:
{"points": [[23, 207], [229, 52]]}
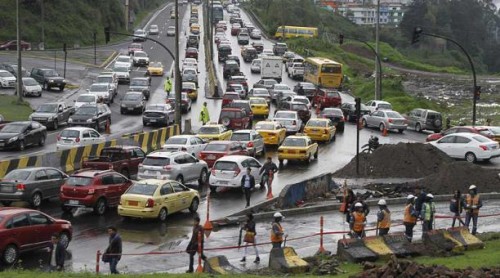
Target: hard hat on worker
{"points": [[278, 215], [472, 187], [430, 196], [410, 197], [358, 205], [382, 202]]}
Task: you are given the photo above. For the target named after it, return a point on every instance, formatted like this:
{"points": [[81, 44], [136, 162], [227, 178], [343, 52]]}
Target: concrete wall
{"points": [[304, 190]]}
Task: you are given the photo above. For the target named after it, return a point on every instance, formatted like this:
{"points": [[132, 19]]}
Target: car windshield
{"points": [[120, 69], [393, 115], [332, 112], [225, 166], [281, 87], [494, 130], [139, 33], [240, 137], [481, 139], [85, 99], [132, 97], [332, 94], [285, 115], [294, 142], [13, 128], [176, 141], [5, 74], [86, 111], [98, 88], [140, 54], [189, 71], [264, 126], [299, 107], [215, 148], [384, 106], [316, 123], [139, 82], [79, 181], [142, 189], [104, 79], [20, 175], [188, 86], [29, 82], [308, 86], [156, 161], [50, 73], [258, 101], [256, 62], [302, 100], [135, 45], [70, 133], [171, 28], [156, 65], [123, 59], [157, 107], [47, 108]]}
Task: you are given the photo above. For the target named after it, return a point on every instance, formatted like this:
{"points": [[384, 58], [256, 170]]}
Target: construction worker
{"points": [[358, 221], [410, 217], [168, 85], [472, 205], [420, 196], [427, 213], [383, 218], [359, 199], [277, 232], [204, 116], [456, 207]]}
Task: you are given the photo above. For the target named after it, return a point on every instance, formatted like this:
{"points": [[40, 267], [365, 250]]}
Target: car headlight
{"points": [[70, 120], [13, 139], [51, 80], [64, 81], [90, 120], [123, 105], [51, 118], [138, 105]]}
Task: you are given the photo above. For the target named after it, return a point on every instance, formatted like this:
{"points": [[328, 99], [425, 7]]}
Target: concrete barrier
{"points": [[354, 250], [463, 235], [304, 190], [378, 246], [286, 260], [436, 238], [399, 245], [154, 140], [219, 265]]}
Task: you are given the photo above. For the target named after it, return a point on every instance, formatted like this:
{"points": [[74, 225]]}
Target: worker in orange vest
{"points": [[410, 216], [277, 231], [358, 221], [383, 218], [472, 205]]}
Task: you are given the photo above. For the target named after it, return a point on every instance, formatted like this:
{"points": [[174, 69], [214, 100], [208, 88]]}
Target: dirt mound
{"points": [[405, 268]]}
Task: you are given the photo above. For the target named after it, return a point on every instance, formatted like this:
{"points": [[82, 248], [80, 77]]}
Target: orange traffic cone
{"points": [[384, 132], [270, 189], [107, 129]]}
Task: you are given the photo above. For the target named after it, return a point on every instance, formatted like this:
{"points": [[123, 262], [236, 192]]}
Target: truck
{"points": [[296, 71], [52, 114], [272, 68], [122, 159]]}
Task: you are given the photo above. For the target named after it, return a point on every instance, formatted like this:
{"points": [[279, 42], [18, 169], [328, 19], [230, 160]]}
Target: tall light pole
{"points": [[42, 11], [127, 14], [377, 69], [177, 79], [19, 62]]}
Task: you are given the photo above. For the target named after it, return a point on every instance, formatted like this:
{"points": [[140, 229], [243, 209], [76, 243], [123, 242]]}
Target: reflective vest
{"points": [[430, 208], [277, 238], [386, 221], [473, 201], [359, 221], [408, 217]]}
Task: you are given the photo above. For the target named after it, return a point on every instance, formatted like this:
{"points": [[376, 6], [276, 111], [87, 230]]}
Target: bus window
{"points": [[331, 69]]}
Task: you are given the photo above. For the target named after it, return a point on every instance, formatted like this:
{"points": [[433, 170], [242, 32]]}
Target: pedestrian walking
{"points": [[250, 238], [277, 232], [383, 218], [358, 221], [247, 184], [410, 217], [204, 115], [57, 254], [192, 247], [267, 171], [349, 200], [472, 205], [420, 196], [113, 252], [168, 85], [456, 207], [427, 213]]}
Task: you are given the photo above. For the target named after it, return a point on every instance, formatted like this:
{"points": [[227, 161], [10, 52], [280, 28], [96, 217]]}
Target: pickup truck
{"points": [[122, 159], [296, 71], [48, 78], [52, 114]]}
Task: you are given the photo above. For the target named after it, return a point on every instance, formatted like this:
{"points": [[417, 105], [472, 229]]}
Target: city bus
{"points": [[295, 32], [218, 13], [323, 72]]}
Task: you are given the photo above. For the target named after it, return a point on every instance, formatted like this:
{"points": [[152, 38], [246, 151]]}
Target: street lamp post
{"points": [[178, 86], [378, 69], [19, 78]]}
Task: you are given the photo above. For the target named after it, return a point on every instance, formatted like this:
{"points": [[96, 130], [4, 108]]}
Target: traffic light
{"points": [[341, 39], [107, 36], [477, 93], [416, 35]]}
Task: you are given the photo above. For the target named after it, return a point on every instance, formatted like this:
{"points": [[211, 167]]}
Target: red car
{"points": [[12, 45], [134, 47], [228, 97], [217, 149], [326, 98], [235, 29], [192, 52], [458, 129], [238, 79], [23, 230], [234, 118], [97, 189]]}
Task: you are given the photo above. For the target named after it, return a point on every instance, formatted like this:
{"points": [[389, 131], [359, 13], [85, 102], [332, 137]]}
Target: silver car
{"points": [[179, 166], [132, 102], [158, 114], [290, 120], [385, 119], [251, 139], [190, 75]]}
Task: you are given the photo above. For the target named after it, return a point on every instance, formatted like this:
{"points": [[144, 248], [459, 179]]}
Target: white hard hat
{"points": [[382, 202], [430, 196], [472, 187], [410, 197], [278, 214], [358, 205]]}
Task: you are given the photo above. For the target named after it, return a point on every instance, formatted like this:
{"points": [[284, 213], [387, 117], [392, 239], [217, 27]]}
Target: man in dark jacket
{"points": [[420, 197], [267, 171], [247, 183], [114, 248], [57, 254], [192, 247]]}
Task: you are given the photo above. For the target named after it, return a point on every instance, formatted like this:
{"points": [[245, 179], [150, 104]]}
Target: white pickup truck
{"points": [[296, 71]]}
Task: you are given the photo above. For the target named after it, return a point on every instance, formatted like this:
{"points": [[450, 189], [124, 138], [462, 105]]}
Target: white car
{"points": [[276, 89], [374, 105], [229, 170], [103, 91], [123, 61], [154, 30], [256, 66], [123, 74], [140, 58], [73, 137], [469, 146], [7, 79], [188, 143], [31, 87], [110, 78], [85, 99], [289, 119], [302, 99], [140, 36], [171, 31], [189, 63], [267, 52]]}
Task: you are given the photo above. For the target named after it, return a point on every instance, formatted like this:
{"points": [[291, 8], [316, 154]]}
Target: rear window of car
{"points": [[209, 130], [79, 181], [230, 114], [225, 166], [240, 137], [316, 123], [215, 147], [143, 189], [176, 141], [384, 106], [156, 161], [231, 96], [264, 127], [334, 112], [258, 101], [17, 175], [333, 94], [299, 107], [393, 115], [285, 115], [294, 142]]}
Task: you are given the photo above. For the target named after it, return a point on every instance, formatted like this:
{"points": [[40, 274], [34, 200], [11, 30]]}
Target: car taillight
{"points": [[250, 144], [21, 187], [91, 191], [212, 172], [201, 156], [389, 120], [483, 147], [77, 139], [150, 203], [58, 137], [237, 172], [167, 167]]}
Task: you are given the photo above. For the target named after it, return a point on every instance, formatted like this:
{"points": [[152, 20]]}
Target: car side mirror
{"points": [[61, 109]]}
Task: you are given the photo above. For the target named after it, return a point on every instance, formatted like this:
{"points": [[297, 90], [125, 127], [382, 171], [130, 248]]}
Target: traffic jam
{"points": [[293, 110]]}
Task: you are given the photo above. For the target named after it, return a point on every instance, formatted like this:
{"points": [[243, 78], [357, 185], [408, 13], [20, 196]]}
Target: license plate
{"points": [[74, 202], [2, 144], [290, 151], [6, 188], [211, 157], [130, 108], [153, 120], [315, 130], [133, 203], [223, 182]]}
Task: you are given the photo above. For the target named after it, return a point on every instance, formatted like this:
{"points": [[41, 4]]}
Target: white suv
{"points": [[73, 137], [289, 119], [140, 58], [123, 61], [229, 170]]}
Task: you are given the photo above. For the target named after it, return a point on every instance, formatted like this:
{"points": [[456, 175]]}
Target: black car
{"points": [[18, 135], [95, 115], [12, 68], [141, 84], [31, 185], [305, 89], [335, 115], [223, 50], [158, 114], [193, 41], [230, 67], [349, 110], [48, 78]]}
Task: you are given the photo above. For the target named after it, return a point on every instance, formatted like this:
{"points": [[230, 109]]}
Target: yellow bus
{"points": [[295, 32], [323, 72]]}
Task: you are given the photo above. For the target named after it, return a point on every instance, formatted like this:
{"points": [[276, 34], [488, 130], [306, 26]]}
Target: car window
{"points": [[180, 159], [193, 141], [462, 140], [139, 153], [177, 187], [53, 174], [41, 175], [449, 139], [37, 218], [107, 180], [117, 179], [86, 134], [19, 221], [252, 163], [166, 189], [189, 159]]}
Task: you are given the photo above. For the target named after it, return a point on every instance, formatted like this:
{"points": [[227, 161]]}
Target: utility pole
{"points": [[19, 77], [378, 81], [127, 14], [42, 10], [95, 48], [177, 80], [65, 57]]}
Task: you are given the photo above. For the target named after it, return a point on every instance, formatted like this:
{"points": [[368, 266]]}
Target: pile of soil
{"points": [[405, 268]]}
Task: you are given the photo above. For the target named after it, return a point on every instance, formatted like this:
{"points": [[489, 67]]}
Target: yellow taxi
{"points": [[152, 198], [297, 147], [259, 106], [190, 89], [320, 130], [155, 68], [272, 132], [195, 28], [214, 132]]}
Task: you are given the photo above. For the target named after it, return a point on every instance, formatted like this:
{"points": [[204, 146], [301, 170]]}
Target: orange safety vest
{"points": [[473, 201], [408, 218], [275, 237], [386, 221], [359, 221]]}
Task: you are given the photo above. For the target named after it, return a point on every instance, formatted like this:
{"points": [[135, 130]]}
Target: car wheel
{"points": [[36, 200], [213, 189], [21, 145], [180, 179], [203, 177], [55, 125], [42, 141], [263, 152], [10, 254], [126, 173], [381, 127], [61, 88], [308, 158], [317, 153], [100, 207], [24, 93], [162, 215], [193, 208], [64, 239], [401, 130], [418, 128], [45, 86], [66, 209], [40, 94], [6, 203], [364, 123], [280, 162], [470, 157], [122, 112]]}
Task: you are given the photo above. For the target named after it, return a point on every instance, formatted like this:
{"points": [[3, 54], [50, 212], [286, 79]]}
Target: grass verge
{"points": [[11, 110]]}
